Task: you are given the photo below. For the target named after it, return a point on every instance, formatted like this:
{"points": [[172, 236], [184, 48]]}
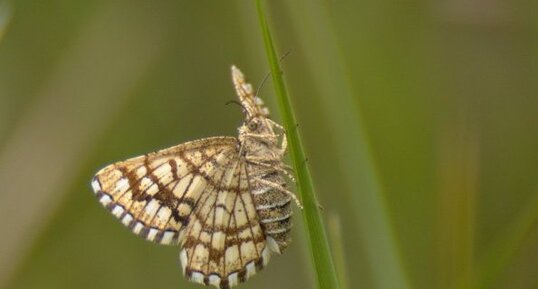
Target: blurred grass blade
{"points": [[5, 18], [337, 245], [351, 144], [458, 172], [318, 244], [498, 256], [59, 126]]}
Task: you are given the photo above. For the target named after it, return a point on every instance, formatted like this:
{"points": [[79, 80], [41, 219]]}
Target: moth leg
{"points": [[280, 188], [282, 168], [264, 161], [284, 146], [261, 136], [276, 125]]}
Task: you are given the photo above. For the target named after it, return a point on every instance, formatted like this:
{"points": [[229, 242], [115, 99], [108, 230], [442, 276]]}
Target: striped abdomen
{"points": [[274, 211]]}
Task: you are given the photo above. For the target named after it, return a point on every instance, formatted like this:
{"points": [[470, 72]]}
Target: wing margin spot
{"points": [[96, 185]]}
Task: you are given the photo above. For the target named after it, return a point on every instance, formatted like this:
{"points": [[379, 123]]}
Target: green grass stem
{"points": [[317, 237]]}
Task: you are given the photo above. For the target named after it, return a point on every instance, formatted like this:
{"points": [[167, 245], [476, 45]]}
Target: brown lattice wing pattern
{"points": [[224, 244], [155, 194]]}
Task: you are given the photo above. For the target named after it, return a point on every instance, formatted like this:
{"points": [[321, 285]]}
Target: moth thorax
{"points": [[260, 143], [262, 150]]}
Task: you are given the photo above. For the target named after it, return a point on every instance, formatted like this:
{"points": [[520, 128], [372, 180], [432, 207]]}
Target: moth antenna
{"points": [[238, 103], [269, 73]]}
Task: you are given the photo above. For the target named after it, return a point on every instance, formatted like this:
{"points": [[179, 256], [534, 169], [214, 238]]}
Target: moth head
{"points": [[257, 130]]}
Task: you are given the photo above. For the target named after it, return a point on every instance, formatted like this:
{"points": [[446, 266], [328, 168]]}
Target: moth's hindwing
{"points": [[224, 244]]}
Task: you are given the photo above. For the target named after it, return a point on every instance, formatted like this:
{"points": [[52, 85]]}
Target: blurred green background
{"points": [[420, 120]]}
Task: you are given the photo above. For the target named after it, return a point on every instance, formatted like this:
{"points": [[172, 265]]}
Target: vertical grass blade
{"points": [[317, 237]]}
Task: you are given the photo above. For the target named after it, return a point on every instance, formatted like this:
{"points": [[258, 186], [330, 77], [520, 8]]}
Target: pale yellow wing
{"points": [[155, 194], [224, 243]]}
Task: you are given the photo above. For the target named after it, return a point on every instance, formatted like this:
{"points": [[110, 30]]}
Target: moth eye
{"points": [[253, 125]]}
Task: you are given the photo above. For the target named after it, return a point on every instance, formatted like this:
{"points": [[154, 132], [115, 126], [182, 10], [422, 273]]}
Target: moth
{"points": [[223, 200]]}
